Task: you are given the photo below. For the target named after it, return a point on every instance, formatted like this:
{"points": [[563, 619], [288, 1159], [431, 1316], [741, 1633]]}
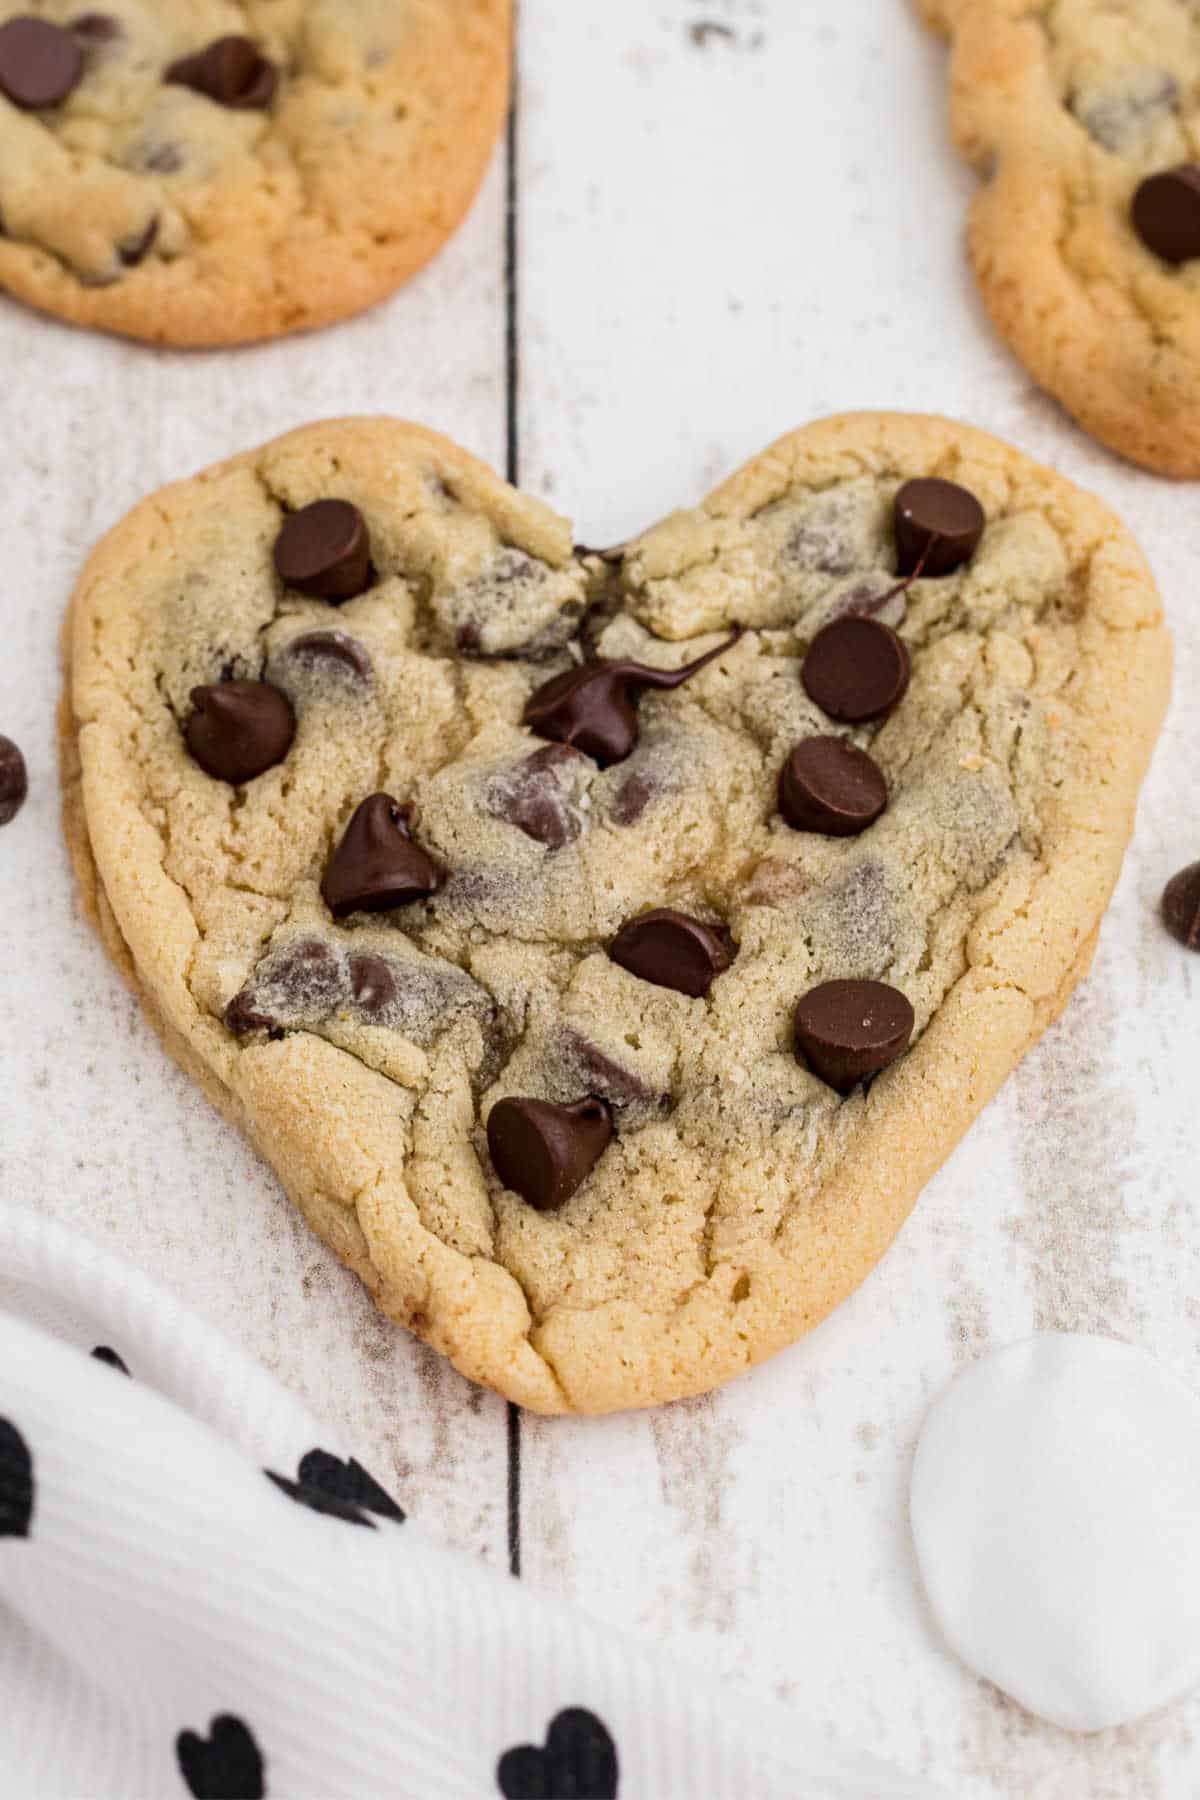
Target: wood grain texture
{"points": [[732, 216]]}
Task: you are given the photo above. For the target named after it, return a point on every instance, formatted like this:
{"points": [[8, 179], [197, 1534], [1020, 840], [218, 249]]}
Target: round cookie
{"points": [[519, 1023], [203, 172], [1084, 122]]}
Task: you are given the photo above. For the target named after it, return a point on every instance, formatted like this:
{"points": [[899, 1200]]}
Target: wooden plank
{"points": [[96, 1126], [735, 216]]}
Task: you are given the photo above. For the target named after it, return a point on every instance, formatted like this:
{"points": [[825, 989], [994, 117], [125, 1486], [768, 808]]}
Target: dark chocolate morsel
{"points": [[231, 70], [323, 550], [372, 984], [545, 1152], [377, 866], [938, 527], [14, 783], [829, 785], [135, 249], [847, 1030], [1181, 906], [304, 976], [671, 950], [238, 729], [531, 798], [593, 706], [335, 652], [40, 63], [1166, 213], [95, 28], [856, 669]]}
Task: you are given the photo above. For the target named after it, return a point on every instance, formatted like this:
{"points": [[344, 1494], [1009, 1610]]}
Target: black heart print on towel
{"points": [[578, 1763], [226, 1765], [344, 1489], [16, 1482]]}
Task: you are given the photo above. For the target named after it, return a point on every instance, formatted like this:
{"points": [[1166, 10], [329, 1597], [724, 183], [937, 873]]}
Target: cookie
{"points": [[194, 172], [605, 1029], [1083, 120]]}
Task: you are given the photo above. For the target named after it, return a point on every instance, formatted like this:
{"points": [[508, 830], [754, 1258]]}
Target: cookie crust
{"points": [[580, 1312], [1063, 109], [144, 208]]}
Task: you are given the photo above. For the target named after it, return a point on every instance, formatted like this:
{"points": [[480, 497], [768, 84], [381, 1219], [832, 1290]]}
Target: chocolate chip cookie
{"points": [[211, 171], [605, 947], [1083, 119]]}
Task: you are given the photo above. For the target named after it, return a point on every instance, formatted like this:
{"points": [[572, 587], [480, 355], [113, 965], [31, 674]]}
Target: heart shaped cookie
{"points": [[1085, 238], [604, 947]]}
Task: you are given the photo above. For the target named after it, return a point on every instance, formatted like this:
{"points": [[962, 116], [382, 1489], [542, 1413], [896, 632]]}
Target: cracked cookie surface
{"points": [[285, 185], [738, 1197], [1066, 107]]}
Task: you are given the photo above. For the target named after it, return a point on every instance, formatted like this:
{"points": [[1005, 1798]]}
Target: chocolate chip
{"points": [[856, 669], [14, 783], [530, 796], [633, 797], [40, 63], [329, 652], [592, 706], [238, 729], [1166, 213], [938, 527], [831, 786], [545, 1152], [323, 550], [134, 250], [847, 1030], [1118, 118], [671, 950], [1180, 905], [372, 984], [231, 70], [377, 866], [95, 28], [156, 159], [300, 979]]}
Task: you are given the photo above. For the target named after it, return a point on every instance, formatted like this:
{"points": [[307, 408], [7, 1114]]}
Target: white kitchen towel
{"points": [[203, 1592]]}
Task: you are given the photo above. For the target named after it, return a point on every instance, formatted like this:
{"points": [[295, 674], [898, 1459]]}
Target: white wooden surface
{"points": [[720, 234]]}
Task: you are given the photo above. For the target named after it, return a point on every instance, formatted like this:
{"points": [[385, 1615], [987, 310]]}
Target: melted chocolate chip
{"points": [[1166, 213], [633, 797], [1180, 906], [531, 796], [848, 1030], [672, 950], [938, 527], [14, 783], [372, 984], [856, 669], [300, 979], [324, 550], [134, 250], [239, 729], [231, 70], [40, 63], [831, 786], [593, 706], [377, 866], [329, 653], [156, 159], [545, 1152], [95, 28]]}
